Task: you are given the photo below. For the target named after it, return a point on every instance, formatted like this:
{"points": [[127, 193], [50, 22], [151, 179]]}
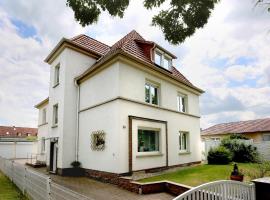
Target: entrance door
{"points": [[53, 157]]}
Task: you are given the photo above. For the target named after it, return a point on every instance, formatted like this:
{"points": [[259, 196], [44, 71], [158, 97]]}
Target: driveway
{"points": [[97, 190]]}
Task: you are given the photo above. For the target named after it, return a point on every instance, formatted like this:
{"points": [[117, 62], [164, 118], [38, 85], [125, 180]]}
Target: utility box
{"points": [[262, 188]]}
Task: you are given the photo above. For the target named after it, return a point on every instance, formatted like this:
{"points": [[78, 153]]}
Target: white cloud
{"points": [[208, 58]]}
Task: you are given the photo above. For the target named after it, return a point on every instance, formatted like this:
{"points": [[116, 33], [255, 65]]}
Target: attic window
{"points": [[162, 59]]}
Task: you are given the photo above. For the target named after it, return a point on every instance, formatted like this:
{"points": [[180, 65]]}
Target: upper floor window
{"points": [[148, 140], [183, 141], [182, 103], [162, 59], [56, 74], [151, 93], [44, 115], [55, 114], [158, 58]]}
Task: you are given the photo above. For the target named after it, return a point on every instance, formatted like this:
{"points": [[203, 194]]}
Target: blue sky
{"points": [[228, 58]]}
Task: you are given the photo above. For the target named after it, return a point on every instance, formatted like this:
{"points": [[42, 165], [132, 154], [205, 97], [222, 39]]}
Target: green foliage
{"points": [[31, 138], [262, 170], [241, 152], [238, 137], [219, 155], [177, 22]]}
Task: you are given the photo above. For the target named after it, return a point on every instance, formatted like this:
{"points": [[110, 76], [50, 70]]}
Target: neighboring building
{"points": [[13, 133], [258, 130], [17, 142], [119, 108]]}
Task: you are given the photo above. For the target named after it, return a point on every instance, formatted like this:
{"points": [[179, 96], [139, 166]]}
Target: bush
{"points": [[219, 155], [241, 152], [238, 137]]}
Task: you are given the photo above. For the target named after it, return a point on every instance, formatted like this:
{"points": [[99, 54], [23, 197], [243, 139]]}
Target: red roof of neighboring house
{"points": [[250, 126], [13, 131], [133, 44]]}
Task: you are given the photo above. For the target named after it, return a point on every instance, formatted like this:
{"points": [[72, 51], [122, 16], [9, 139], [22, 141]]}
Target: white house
{"points": [[118, 109]]}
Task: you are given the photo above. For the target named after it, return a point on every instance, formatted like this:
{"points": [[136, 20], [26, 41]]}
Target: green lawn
{"points": [[8, 191], [198, 175]]}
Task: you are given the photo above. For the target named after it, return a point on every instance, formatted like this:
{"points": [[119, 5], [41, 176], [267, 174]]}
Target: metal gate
{"points": [[220, 190]]}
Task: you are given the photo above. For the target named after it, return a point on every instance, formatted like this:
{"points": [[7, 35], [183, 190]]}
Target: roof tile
{"points": [[250, 126]]}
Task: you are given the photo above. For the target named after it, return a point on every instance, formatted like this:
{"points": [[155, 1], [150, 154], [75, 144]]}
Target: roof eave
{"points": [[43, 102], [121, 52], [49, 59]]}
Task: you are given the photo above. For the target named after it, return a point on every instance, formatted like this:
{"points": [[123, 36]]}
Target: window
{"points": [[148, 140], [43, 144], [182, 103], [183, 141], [167, 63], [162, 59], [55, 114], [266, 137], [56, 74], [44, 112], [215, 139], [151, 93], [158, 58]]}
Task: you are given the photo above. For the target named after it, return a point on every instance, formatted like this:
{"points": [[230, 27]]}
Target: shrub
{"points": [[238, 137], [241, 152], [219, 155], [76, 164]]}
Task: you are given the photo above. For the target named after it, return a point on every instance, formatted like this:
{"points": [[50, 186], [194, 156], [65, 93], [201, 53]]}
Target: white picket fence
{"points": [[220, 190], [36, 185]]}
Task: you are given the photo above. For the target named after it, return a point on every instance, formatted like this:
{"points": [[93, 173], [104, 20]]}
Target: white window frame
{"points": [[56, 75], [55, 114], [153, 85], [44, 116], [185, 97], [149, 153], [163, 57], [181, 143]]}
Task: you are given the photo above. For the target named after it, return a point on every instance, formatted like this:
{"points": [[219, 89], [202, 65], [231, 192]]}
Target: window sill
{"points": [[184, 152], [54, 126], [55, 85], [149, 155], [156, 105]]}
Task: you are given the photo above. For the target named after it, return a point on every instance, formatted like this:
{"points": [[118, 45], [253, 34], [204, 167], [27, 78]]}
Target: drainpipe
{"points": [[77, 121]]}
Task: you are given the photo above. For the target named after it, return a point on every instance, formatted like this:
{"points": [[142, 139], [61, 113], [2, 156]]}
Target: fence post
{"points": [[24, 181], [48, 188], [12, 171]]}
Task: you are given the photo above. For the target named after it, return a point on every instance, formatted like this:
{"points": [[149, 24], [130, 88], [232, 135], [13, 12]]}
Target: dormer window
{"points": [[162, 59], [158, 58]]}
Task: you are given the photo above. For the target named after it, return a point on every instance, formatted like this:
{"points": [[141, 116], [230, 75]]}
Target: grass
{"points": [[197, 175], [9, 191]]}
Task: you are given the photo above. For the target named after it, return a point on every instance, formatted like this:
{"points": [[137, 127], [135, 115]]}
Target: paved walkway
{"points": [[100, 191]]}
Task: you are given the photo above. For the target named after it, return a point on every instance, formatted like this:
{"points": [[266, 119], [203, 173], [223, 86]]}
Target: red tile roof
{"points": [[20, 132], [250, 126], [91, 44], [133, 44]]}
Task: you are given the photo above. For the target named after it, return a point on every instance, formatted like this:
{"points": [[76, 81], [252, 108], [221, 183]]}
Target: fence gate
{"points": [[220, 190]]}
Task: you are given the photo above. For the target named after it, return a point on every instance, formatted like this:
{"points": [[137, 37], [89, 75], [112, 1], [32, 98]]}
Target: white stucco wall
{"points": [[132, 80], [72, 64], [122, 80], [103, 118]]}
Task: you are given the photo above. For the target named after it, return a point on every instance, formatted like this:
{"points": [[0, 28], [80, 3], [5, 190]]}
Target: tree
{"points": [[177, 22]]}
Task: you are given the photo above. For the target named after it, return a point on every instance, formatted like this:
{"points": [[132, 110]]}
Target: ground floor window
{"points": [[148, 140], [43, 145], [183, 141], [266, 137]]}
